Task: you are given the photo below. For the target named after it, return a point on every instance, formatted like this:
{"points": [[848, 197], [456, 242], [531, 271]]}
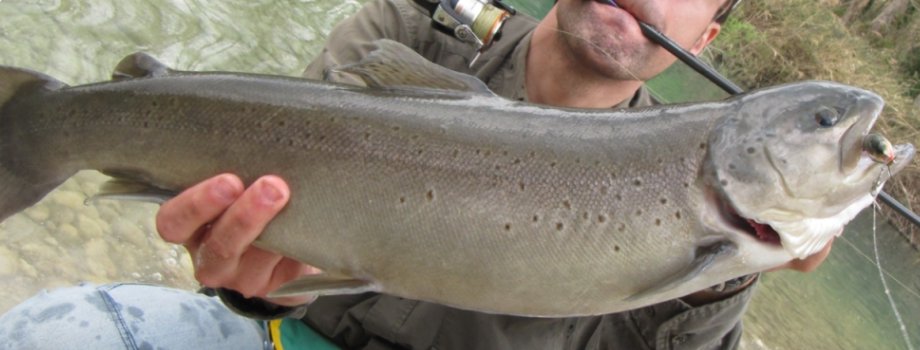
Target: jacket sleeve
{"points": [[672, 325]]}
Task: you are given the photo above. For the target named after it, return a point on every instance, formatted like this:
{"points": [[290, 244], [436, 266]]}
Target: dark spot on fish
{"points": [[677, 215], [487, 153], [419, 152], [552, 164], [536, 218], [622, 227], [291, 142], [601, 218], [505, 153], [660, 161], [145, 346], [367, 136], [585, 215], [577, 160], [703, 145], [533, 154], [395, 128], [84, 324], [751, 150], [402, 199], [638, 212], [731, 166], [498, 167], [559, 226], [657, 222], [664, 201], [613, 175], [521, 186], [281, 123], [616, 248], [153, 103], [517, 161], [478, 152], [146, 124], [604, 190], [456, 153], [723, 182], [618, 196], [567, 204], [686, 185], [597, 163], [430, 195], [637, 182], [322, 137], [414, 137], [507, 227]]}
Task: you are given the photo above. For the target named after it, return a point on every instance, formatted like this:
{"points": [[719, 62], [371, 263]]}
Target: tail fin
{"points": [[19, 190]]}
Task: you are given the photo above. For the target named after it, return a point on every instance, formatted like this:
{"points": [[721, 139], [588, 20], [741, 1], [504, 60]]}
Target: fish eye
{"points": [[826, 117]]}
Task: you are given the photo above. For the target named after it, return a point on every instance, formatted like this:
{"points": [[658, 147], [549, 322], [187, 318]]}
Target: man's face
{"points": [[609, 39]]}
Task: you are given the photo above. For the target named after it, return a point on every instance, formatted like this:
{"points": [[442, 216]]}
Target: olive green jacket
{"points": [[375, 321]]}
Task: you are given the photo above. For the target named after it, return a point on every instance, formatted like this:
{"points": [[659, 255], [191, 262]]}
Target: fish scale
{"points": [[451, 196]]}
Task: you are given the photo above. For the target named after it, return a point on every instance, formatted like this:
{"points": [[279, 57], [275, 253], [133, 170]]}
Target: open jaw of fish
{"points": [[485, 204], [811, 188]]}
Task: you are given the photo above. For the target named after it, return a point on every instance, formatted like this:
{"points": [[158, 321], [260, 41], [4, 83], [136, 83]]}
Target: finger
{"points": [[254, 272], [181, 217], [219, 253]]}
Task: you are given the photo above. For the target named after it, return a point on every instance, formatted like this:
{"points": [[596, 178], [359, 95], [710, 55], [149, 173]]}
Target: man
{"points": [[583, 54]]}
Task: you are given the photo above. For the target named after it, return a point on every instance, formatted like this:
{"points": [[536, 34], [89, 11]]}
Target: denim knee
{"points": [[126, 316]]}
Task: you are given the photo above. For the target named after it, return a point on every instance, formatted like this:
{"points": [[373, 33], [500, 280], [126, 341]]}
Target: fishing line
{"points": [[859, 251], [881, 275]]}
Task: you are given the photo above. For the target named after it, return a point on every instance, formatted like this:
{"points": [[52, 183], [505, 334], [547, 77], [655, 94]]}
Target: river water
{"points": [[61, 241]]}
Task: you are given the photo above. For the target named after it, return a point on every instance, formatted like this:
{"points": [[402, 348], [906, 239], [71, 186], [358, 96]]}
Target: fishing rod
{"points": [[715, 77]]}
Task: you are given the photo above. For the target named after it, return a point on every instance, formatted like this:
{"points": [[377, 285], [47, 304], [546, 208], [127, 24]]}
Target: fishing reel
{"points": [[473, 21]]}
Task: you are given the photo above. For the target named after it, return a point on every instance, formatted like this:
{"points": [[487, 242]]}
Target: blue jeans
{"points": [[127, 316]]}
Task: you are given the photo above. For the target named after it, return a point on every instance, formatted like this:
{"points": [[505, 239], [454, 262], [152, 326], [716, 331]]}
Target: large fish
{"points": [[450, 194]]}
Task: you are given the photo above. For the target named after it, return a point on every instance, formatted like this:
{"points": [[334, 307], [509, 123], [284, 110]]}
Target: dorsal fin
{"points": [[140, 65], [395, 66], [13, 80]]}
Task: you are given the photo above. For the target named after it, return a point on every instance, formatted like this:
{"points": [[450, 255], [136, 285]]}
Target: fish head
{"points": [[796, 162]]}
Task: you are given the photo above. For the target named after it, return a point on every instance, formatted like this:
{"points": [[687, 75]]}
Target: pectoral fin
{"points": [[132, 190], [705, 257], [323, 284]]}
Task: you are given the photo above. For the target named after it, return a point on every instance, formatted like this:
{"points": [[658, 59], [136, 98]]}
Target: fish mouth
{"points": [[729, 216]]}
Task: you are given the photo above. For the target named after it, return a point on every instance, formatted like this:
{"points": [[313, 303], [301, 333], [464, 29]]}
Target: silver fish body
{"points": [[464, 198]]}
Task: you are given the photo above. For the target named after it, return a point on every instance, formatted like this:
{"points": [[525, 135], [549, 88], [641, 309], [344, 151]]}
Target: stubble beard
{"points": [[608, 54]]}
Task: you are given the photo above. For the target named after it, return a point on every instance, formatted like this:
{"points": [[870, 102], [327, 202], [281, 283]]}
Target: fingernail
{"points": [[224, 190], [270, 193]]}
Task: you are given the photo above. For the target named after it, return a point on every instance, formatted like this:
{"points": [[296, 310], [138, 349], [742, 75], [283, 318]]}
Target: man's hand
{"points": [[217, 220]]}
